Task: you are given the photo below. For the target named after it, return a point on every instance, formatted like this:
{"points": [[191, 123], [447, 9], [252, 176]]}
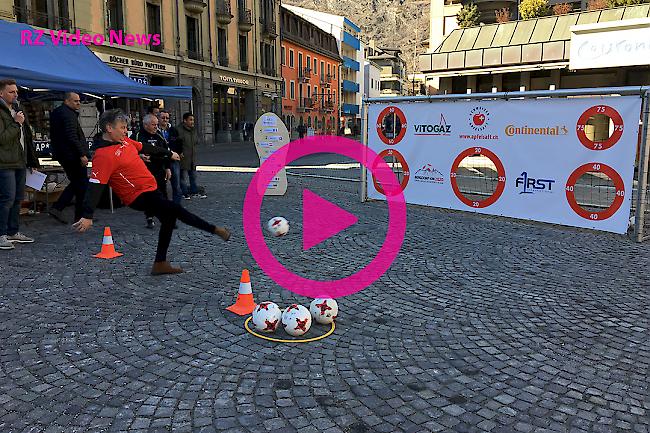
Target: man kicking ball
{"points": [[117, 163]]}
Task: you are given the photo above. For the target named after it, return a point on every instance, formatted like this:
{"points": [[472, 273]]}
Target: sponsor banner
{"points": [[542, 160]]}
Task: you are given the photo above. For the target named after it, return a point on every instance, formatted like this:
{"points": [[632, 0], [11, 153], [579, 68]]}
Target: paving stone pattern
{"points": [[481, 325]]}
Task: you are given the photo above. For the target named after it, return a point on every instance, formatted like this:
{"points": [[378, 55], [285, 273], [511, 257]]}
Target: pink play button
{"points": [[321, 219]]}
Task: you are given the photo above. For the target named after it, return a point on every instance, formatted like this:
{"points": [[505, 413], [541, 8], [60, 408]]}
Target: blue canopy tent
{"points": [[69, 68]]}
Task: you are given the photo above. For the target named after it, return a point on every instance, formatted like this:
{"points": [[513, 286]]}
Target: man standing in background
{"points": [[17, 153], [158, 164], [184, 137], [164, 129], [70, 149]]}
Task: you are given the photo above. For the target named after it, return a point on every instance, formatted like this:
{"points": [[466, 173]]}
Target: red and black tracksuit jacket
{"points": [[119, 165]]}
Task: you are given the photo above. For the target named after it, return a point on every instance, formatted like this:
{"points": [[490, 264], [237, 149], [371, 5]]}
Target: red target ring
{"points": [[402, 118], [582, 126], [599, 168], [501, 184], [405, 169]]}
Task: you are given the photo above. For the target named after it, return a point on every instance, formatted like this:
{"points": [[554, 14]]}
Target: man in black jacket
{"points": [[70, 149], [159, 166]]}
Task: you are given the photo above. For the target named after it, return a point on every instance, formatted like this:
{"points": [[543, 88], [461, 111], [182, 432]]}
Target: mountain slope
{"points": [[399, 24]]}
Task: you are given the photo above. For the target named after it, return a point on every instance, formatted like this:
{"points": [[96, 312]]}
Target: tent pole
{"points": [[110, 190]]}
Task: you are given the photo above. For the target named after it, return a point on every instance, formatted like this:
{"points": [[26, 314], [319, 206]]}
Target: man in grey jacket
{"points": [[183, 138]]}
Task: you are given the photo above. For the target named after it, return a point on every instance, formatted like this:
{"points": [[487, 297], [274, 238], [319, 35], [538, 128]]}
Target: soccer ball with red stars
{"points": [[278, 226], [266, 317], [296, 320], [324, 310]]}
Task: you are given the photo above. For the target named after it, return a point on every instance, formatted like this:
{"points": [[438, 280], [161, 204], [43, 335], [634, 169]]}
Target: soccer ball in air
{"points": [[324, 310], [277, 226], [267, 316], [296, 320]]}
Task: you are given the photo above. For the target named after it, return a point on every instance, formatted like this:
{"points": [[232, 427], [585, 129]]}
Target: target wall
{"points": [[557, 160]]}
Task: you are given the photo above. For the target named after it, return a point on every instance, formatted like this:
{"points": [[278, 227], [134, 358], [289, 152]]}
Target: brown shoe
{"points": [[163, 268], [222, 232]]}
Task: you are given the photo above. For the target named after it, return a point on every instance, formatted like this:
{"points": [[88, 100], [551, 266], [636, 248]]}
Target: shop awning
{"points": [[68, 68], [535, 41]]}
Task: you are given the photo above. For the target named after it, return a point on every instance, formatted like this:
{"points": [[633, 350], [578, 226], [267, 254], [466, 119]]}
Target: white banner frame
{"points": [[620, 157]]}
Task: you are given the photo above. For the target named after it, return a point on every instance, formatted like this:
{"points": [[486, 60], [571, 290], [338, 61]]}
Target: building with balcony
{"points": [[226, 50], [601, 48], [393, 69], [310, 75], [347, 35], [371, 80]]}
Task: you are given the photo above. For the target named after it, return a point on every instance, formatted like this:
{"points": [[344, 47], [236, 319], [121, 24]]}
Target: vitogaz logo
{"points": [[429, 174], [479, 119], [441, 129]]}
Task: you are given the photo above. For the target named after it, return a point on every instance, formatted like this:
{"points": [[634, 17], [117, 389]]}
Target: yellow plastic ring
{"points": [[279, 340]]}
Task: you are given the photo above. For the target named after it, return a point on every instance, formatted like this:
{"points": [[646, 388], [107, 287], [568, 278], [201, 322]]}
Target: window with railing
{"points": [[243, 52], [304, 72], [193, 47], [267, 11], [153, 25], [223, 8], [52, 15], [115, 15], [267, 54], [222, 46]]}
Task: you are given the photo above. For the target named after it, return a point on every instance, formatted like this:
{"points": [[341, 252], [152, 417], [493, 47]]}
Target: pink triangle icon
{"points": [[321, 219]]}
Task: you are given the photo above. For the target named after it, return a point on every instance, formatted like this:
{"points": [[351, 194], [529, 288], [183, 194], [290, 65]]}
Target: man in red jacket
{"points": [[117, 163]]}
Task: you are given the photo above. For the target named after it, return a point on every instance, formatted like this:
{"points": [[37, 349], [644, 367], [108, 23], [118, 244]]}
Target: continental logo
{"points": [[527, 130]]}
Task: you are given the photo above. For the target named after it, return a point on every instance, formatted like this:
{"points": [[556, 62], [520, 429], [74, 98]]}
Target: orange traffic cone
{"points": [[108, 249], [244, 304]]}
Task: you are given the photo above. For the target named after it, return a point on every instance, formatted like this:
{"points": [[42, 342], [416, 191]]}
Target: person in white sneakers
{"points": [[17, 154]]}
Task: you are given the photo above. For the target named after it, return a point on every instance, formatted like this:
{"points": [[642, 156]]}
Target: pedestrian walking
{"points": [[301, 130], [70, 149], [184, 138], [17, 154], [116, 163], [157, 163]]}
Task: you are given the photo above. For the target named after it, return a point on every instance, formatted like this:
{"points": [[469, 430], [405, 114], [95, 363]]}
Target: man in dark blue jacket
{"points": [[70, 149]]}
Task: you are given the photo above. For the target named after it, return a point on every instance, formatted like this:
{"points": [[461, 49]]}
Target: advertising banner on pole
{"points": [[556, 160]]}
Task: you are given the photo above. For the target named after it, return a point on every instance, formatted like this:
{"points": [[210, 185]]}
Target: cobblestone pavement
{"points": [[481, 325]]}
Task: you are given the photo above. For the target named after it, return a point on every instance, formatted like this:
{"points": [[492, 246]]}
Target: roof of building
{"points": [[323, 17], [391, 50], [327, 47], [384, 57], [527, 41]]}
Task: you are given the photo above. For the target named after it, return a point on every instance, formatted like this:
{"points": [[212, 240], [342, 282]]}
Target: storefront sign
{"points": [[234, 80], [42, 147], [610, 44], [136, 63], [142, 79]]}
